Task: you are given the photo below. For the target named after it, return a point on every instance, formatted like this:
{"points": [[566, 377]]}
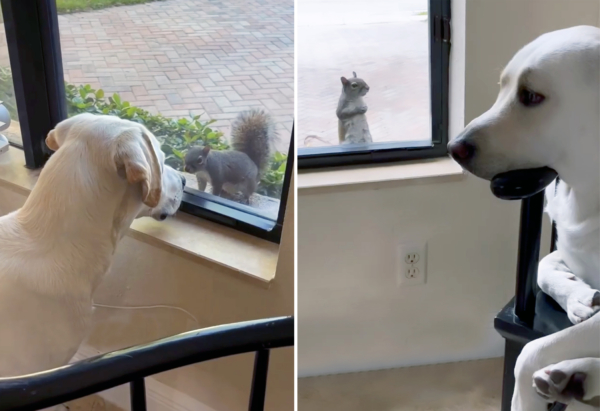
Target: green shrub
{"points": [[272, 181], [7, 92], [72, 6], [175, 135]]}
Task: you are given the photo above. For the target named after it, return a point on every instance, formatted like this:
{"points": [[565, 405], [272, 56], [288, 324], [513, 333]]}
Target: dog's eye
{"points": [[530, 98]]}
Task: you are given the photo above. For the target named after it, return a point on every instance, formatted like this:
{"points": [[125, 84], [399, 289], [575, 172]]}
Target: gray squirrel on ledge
{"points": [[240, 169], [352, 121]]}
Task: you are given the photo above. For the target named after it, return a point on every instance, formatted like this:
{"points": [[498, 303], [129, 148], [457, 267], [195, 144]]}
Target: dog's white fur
{"points": [[563, 133], [55, 250]]}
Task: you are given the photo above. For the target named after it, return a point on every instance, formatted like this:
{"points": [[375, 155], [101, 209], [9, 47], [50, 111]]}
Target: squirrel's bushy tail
{"points": [[253, 132]]}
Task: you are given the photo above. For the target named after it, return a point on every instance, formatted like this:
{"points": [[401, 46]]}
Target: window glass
{"points": [[9, 119], [188, 69], [386, 43]]}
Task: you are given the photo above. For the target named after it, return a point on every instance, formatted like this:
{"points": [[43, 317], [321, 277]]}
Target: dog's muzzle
{"points": [[520, 184]]}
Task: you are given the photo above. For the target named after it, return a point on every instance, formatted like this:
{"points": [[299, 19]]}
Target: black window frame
{"points": [[359, 154], [32, 34]]}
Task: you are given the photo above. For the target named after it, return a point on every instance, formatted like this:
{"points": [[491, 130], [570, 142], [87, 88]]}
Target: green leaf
{"points": [[178, 153], [279, 157], [99, 93], [116, 98], [167, 149], [131, 111]]}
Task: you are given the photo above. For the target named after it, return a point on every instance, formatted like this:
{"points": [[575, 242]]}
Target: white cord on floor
{"points": [[145, 307]]}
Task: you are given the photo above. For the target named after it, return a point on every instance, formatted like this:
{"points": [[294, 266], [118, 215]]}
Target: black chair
{"points": [[132, 365], [531, 314]]}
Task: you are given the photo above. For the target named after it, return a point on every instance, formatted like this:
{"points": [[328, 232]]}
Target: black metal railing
{"points": [[132, 365]]}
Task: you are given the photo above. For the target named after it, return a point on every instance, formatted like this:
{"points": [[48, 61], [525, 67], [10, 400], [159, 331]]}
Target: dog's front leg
{"points": [[578, 299], [579, 341]]}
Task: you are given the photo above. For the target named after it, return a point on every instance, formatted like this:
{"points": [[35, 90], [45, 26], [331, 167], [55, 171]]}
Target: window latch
{"points": [[441, 29]]}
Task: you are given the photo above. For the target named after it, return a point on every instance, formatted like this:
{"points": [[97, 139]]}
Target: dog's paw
{"points": [[568, 380], [583, 304]]}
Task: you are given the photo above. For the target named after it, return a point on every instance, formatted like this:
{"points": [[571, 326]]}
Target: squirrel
{"points": [[239, 169], [352, 124]]}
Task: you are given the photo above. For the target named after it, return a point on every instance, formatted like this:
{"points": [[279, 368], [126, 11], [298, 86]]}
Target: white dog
{"points": [[547, 115], [55, 250]]}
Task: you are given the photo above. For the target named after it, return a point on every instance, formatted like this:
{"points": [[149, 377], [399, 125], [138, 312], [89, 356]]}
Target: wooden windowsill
{"points": [[378, 176], [184, 235]]}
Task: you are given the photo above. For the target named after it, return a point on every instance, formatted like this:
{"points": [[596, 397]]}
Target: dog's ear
{"points": [[136, 155], [51, 140]]}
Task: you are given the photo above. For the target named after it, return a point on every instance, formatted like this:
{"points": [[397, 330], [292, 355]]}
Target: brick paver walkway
{"points": [[181, 57]]}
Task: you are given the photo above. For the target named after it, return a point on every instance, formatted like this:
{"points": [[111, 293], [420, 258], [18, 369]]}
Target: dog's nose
{"points": [[183, 181], [461, 151]]}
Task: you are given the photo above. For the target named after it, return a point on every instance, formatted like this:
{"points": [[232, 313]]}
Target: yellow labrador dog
{"points": [[55, 250], [547, 115]]}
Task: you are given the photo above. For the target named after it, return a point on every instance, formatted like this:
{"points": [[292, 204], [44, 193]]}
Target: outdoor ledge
{"points": [[379, 176], [190, 237]]}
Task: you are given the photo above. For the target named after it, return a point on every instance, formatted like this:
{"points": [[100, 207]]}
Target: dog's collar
{"points": [[520, 184]]}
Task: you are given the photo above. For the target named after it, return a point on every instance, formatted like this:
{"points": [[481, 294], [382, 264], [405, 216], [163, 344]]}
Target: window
{"points": [[185, 69], [9, 124], [399, 52]]}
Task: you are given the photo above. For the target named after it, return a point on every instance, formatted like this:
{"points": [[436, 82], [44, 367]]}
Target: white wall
{"points": [[351, 315]]}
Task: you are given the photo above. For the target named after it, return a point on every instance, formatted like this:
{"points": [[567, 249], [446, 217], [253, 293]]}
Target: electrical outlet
{"points": [[412, 272], [411, 267], [411, 258]]}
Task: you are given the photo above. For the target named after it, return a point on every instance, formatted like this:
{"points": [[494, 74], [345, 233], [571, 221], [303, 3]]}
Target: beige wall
{"points": [[145, 275], [351, 315]]}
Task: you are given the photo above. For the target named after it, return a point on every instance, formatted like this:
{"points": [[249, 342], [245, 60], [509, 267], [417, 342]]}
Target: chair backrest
{"points": [[530, 232], [554, 234], [132, 365]]}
